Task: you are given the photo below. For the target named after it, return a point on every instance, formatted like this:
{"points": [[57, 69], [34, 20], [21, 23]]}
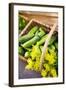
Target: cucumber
{"points": [[56, 45], [41, 33], [43, 39], [30, 42], [42, 30], [33, 30], [28, 36], [52, 40], [25, 38], [20, 50], [33, 40], [27, 54]]}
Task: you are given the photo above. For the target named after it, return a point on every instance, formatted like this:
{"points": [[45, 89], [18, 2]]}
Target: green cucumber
{"points": [[20, 50], [25, 38], [53, 38], [42, 30], [27, 54], [30, 42], [33, 40], [33, 30], [28, 36], [43, 39], [56, 45]]}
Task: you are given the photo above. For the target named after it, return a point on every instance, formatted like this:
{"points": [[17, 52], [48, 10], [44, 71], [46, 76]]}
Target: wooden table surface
{"points": [[46, 18]]}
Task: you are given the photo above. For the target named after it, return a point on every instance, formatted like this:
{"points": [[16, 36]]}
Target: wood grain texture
{"points": [[46, 18]]}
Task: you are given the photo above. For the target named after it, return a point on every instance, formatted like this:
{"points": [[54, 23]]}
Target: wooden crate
{"points": [[28, 27]]}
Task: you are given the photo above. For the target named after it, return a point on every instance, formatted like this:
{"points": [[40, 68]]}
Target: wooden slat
{"points": [[22, 58], [46, 45]]}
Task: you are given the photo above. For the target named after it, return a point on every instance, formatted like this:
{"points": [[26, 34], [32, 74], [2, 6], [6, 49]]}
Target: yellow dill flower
{"points": [[47, 67], [35, 52], [53, 72], [50, 57], [30, 64], [43, 73], [37, 64]]}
